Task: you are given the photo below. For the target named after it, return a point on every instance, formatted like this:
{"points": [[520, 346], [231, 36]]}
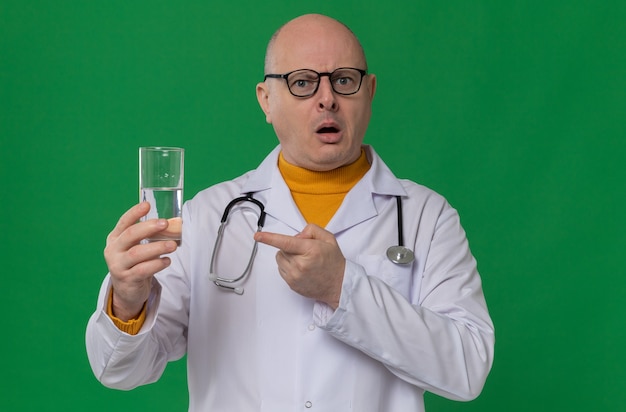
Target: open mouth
{"points": [[327, 130]]}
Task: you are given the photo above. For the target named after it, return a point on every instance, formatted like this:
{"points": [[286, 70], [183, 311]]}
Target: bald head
{"points": [[324, 130], [310, 28]]}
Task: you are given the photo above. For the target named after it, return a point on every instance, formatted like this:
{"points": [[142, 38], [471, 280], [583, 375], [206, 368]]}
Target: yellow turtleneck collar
{"points": [[318, 195]]}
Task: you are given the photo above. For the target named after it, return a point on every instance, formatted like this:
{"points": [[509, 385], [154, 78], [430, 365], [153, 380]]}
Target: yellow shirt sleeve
{"points": [[131, 327]]}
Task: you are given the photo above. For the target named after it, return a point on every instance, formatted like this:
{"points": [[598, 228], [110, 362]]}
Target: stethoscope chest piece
{"points": [[400, 255]]}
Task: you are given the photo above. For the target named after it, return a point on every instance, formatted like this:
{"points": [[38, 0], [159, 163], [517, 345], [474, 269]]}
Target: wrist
{"points": [[124, 312]]}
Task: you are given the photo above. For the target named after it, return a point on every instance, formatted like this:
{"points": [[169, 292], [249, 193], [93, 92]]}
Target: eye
{"points": [[301, 83], [303, 80], [345, 79]]}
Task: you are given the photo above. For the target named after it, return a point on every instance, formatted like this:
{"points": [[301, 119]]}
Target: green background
{"points": [[513, 110]]}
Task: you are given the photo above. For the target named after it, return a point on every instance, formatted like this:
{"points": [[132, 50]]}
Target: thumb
{"points": [[313, 231]]}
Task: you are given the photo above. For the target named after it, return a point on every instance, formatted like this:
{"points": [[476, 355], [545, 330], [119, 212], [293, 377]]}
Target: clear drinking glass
{"points": [[161, 177]]}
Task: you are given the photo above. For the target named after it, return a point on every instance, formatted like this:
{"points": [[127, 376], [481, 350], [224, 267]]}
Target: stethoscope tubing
{"points": [[222, 281], [399, 254], [400, 226]]}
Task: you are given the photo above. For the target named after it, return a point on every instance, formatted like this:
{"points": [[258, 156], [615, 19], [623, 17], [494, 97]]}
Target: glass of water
{"points": [[161, 176]]}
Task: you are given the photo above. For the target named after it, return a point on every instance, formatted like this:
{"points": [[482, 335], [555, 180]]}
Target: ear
{"points": [[263, 96], [371, 85]]}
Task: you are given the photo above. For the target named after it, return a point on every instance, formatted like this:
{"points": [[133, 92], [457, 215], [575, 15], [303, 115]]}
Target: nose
{"points": [[327, 99]]}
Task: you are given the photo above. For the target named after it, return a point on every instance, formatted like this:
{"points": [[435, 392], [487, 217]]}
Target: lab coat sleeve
{"points": [[443, 341], [123, 361]]}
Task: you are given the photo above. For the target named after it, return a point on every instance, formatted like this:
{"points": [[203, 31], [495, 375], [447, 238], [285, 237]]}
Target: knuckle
{"points": [[134, 253], [302, 266], [286, 244], [117, 271], [109, 256], [110, 239], [315, 254]]}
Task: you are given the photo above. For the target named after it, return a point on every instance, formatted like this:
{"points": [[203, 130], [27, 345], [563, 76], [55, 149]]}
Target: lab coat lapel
{"points": [[281, 206], [358, 206], [362, 202], [268, 186]]}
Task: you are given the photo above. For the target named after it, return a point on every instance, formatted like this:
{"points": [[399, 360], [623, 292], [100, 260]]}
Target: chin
{"points": [[332, 158]]}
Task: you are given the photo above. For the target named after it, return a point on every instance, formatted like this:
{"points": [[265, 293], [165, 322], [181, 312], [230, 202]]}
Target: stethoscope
{"points": [[400, 254]]}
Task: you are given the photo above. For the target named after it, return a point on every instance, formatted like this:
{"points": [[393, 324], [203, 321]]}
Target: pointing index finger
{"points": [[288, 244]]}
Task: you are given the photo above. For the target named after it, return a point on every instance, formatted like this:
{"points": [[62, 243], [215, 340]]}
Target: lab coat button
{"points": [[312, 327], [308, 404]]}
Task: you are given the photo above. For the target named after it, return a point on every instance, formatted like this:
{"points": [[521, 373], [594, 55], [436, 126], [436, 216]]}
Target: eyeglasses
{"points": [[305, 82]]}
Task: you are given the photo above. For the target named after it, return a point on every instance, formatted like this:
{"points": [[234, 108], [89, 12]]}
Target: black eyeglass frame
{"points": [[319, 79]]}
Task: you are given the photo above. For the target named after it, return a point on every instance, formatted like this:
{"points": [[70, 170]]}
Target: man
{"points": [[320, 318]]}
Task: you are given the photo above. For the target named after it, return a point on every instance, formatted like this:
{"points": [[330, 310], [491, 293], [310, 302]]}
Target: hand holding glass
{"points": [[161, 176]]}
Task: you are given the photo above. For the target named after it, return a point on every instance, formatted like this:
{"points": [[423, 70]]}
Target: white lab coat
{"points": [[398, 331]]}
